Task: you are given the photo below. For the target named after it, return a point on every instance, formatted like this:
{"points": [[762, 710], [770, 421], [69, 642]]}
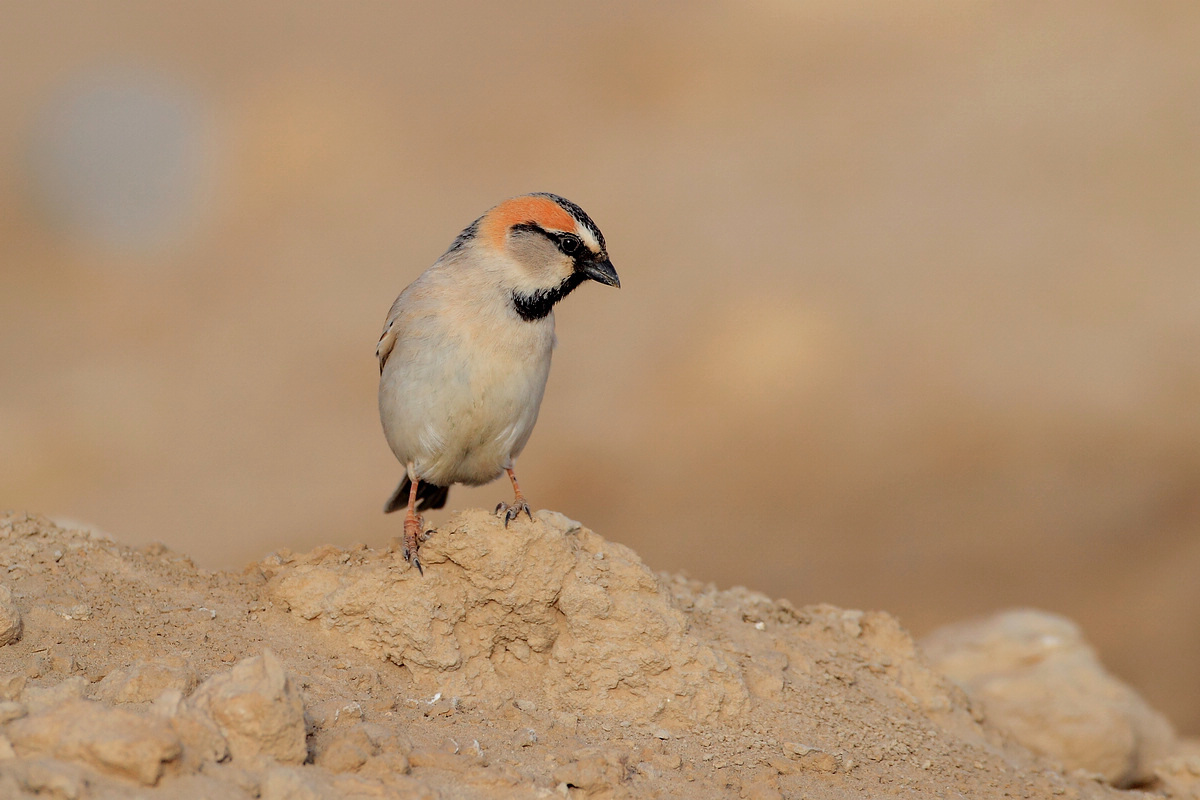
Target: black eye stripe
{"points": [[568, 243], [530, 227]]}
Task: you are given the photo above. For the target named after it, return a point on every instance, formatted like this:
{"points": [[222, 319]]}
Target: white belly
{"points": [[460, 411]]}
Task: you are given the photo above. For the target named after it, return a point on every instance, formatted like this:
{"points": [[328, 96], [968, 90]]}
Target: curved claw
{"points": [[511, 512], [411, 557]]}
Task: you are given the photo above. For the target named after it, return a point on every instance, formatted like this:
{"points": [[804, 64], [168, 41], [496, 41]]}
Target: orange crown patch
{"points": [[539, 210]]}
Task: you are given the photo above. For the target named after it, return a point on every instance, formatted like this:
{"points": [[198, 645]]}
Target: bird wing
{"points": [[387, 342], [394, 327]]}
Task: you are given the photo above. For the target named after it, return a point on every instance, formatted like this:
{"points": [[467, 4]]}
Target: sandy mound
{"points": [[547, 612], [535, 661]]}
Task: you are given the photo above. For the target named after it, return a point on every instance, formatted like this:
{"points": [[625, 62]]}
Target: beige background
{"points": [[910, 315]]}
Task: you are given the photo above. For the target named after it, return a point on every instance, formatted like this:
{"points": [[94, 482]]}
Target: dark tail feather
{"points": [[428, 496], [399, 498], [431, 497]]}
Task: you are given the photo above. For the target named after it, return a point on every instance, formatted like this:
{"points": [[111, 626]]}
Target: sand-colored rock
{"points": [[1037, 678], [346, 750], [202, 739], [42, 778], [546, 608], [1178, 775], [11, 686], [10, 710], [257, 709], [44, 698], [110, 739], [146, 681], [10, 617]]}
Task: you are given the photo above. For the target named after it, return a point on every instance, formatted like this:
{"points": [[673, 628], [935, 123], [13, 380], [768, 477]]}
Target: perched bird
{"points": [[465, 352]]}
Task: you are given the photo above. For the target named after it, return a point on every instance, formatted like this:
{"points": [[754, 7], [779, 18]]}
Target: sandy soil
{"points": [[537, 661]]}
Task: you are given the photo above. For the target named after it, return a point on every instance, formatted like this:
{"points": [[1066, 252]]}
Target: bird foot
{"points": [[511, 511], [413, 536]]}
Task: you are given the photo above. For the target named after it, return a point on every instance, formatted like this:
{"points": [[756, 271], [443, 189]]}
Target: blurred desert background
{"points": [[910, 316]]}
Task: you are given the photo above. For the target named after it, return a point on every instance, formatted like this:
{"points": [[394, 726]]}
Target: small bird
{"points": [[465, 352]]}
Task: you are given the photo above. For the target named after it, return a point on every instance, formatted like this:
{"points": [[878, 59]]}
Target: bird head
{"points": [[552, 245]]}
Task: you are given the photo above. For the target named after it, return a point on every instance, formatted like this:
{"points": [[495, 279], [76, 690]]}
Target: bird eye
{"points": [[569, 244]]}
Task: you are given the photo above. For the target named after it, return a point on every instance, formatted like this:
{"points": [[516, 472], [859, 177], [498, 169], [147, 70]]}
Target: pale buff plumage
{"points": [[466, 349]]}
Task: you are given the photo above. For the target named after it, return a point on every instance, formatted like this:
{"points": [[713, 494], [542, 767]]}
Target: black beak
{"points": [[600, 270]]}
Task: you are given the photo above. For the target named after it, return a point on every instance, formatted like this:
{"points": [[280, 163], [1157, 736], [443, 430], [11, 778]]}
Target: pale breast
{"points": [[461, 403]]}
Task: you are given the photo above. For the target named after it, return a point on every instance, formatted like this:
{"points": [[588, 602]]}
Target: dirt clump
{"points": [[552, 615]]}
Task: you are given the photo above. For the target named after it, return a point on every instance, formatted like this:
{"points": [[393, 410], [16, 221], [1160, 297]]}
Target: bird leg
{"points": [[412, 529], [512, 510]]}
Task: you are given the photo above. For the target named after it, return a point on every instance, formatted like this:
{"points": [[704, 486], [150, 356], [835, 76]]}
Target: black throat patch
{"points": [[537, 305]]}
